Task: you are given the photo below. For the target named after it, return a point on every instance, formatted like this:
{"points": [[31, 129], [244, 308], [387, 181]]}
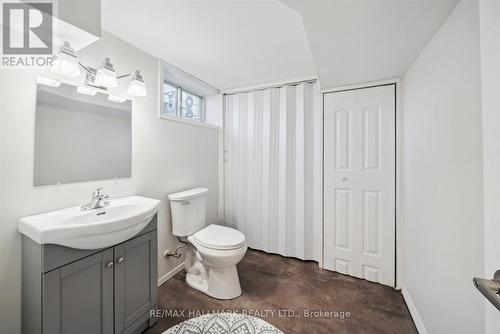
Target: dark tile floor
{"points": [[274, 285]]}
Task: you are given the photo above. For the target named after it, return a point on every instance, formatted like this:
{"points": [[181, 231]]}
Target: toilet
{"points": [[213, 251]]}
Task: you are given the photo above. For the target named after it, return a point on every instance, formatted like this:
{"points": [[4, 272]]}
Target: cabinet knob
{"points": [[109, 265], [121, 259]]}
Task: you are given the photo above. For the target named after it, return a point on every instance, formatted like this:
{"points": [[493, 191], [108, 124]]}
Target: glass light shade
{"points": [[106, 78], [116, 98], [86, 90], [137, 88], [66, 64], [48, 81]]}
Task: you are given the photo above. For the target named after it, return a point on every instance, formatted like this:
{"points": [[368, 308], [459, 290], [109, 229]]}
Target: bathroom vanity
{"points": [[110, 289]]}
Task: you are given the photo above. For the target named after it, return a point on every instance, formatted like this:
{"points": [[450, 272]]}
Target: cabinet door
{"points": [[78, 297], [135, 280]]}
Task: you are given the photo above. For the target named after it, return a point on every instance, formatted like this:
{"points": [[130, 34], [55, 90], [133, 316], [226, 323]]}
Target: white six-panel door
{"points": [[359, 183]]}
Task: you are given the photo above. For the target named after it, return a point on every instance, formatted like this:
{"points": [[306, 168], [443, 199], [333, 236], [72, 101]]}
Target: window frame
{"points": [[178, 105]]}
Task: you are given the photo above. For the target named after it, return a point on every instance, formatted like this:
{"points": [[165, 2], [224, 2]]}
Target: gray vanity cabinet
{"points": [[104, 291], [135, 274], [78, 297]]}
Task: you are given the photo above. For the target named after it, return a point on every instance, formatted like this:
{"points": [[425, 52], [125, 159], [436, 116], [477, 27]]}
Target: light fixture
{"points": [[116, 98], [106, 76], [66, 62], [136, 86], [48, 81], [86, 90]]}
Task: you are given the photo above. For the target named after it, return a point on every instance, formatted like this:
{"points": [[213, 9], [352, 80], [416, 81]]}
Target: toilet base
{"points": [[222, 282]]}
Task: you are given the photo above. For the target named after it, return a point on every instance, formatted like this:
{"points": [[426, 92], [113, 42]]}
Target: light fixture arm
{"points": [[92, 71], [124, 75], [87, 69]]}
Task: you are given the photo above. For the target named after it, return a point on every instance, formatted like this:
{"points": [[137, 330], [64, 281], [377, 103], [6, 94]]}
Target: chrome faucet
{"points": [[99, 200]]}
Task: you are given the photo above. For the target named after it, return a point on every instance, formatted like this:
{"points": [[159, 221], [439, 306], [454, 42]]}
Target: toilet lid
{"points": [[220, 237]]}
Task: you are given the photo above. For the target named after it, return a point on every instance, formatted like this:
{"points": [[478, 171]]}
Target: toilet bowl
{"points": [[214, 250], [217, 249]]}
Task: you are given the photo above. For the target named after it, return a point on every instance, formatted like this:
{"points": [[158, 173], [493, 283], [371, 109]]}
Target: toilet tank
{"points": [[189, 210]]}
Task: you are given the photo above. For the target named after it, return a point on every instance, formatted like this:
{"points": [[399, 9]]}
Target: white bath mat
{"points": [[224, 323]]}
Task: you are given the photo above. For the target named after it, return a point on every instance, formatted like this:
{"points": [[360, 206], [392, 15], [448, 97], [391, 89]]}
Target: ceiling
{"points": [[226, 43], [240, 43], [357, 41]]}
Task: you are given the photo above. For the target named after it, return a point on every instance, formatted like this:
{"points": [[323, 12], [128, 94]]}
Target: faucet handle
{"points": [[98, 192]]}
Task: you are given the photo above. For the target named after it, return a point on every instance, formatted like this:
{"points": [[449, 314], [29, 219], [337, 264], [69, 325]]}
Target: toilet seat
{"points": [[219, 237]]}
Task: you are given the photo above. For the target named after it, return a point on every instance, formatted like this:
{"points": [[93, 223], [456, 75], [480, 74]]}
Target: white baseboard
{"points": [[413, 311], [170, 274]]}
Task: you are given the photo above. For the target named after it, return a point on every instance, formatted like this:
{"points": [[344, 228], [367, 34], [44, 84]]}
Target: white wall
{"points": [[214, 115], [166, 157], [489, 14], [214, 109], [443, 233]]}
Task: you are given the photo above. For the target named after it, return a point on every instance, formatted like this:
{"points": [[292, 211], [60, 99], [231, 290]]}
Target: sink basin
{"points": [[92, 229]]}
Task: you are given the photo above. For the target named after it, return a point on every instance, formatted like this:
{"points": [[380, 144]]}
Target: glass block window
{"points": [[190, 106], [178, 102], [169, 99]]}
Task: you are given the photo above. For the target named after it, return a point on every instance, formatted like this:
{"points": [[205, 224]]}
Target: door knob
{"points": [[121, 259], [109, 265], [490, 288], [343, 178]]}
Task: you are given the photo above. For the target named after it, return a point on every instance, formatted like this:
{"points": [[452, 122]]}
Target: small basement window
{"points": [[178, 102]]}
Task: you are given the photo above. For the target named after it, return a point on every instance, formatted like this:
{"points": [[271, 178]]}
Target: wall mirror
{"points": [[80, 137]]}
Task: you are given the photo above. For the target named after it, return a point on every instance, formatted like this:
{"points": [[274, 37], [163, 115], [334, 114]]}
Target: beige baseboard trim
{"points": [[413, 311], [170, 274]]}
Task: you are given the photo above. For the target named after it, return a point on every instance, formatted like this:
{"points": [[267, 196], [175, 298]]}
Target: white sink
{"points": [[92, 229]]}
